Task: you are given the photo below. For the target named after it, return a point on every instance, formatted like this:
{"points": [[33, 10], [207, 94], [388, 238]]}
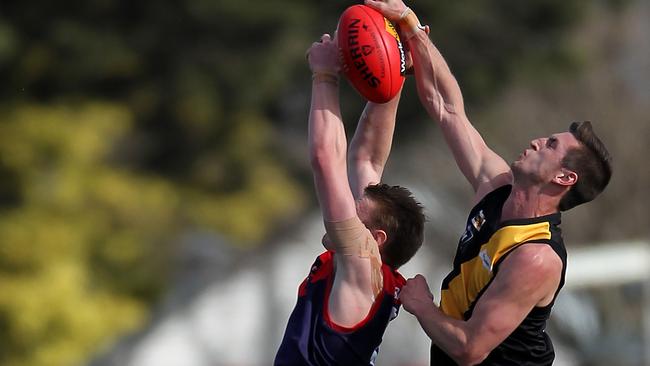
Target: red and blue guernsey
{"points": [[312, 338]]}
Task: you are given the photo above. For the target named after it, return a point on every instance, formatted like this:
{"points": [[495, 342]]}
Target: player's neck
{"points": [[527, 202]]}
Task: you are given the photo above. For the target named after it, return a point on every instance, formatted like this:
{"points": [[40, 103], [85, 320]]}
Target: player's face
{"points": [[542, 161]]}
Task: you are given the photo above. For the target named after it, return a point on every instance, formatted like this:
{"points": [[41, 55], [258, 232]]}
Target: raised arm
{"points": [[357, 273], [371, 144], [327, 141], [441, 96]]}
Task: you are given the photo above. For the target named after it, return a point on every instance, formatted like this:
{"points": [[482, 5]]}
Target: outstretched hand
{"points": [[415, 294], [323, 56], [391, 9]]}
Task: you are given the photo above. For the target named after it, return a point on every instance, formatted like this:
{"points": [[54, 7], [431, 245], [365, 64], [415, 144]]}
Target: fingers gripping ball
{"points": [[372, 55]]}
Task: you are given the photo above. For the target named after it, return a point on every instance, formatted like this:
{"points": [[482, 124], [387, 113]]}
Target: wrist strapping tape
{"points": [[325, 77], [409, 23]]}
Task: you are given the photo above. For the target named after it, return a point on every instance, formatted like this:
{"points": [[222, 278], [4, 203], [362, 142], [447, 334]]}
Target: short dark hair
{"points": [[402, 217], [591, 161]]}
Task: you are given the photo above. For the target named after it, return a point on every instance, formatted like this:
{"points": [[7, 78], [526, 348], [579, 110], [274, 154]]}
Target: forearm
{"points": [[326, 134], [437, 87], [441, 96], [371, 144], [327, 148], [374, 135], [451, 335]]}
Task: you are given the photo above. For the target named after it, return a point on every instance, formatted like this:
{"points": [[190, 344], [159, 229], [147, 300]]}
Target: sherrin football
{"points": [[372, 54]]}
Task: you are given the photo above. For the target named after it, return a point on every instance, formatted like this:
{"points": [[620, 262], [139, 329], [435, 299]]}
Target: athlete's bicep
{"points": [[526, 278]]}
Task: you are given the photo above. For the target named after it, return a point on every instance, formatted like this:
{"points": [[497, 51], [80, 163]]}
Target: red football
{"points": [[372, 54]]}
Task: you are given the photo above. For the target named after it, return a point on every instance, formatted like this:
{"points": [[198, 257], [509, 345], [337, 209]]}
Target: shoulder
{"points": [[532, 271], [537, 257], [535, 266]]}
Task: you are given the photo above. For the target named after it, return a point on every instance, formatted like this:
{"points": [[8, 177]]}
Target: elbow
{"points": [[440, 106], [469, 358], [326, 153], [467, 354], [324, 159], [431, 102], [440, 109], [319, 158]]}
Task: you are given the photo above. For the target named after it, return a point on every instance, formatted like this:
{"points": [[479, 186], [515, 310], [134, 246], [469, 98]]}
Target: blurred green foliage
{"points": [[124, 124]]}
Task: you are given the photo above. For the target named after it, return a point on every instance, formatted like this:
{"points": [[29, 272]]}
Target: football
{"points": [[372, 55]]}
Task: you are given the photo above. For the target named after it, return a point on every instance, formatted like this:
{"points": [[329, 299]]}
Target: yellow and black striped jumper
{"points": [[486, 242]]}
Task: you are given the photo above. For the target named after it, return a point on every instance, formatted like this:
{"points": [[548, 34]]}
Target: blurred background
{"points": [[156, 201]]}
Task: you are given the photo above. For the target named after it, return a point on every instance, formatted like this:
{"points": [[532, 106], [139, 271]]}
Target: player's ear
{"points": [[380, 236], [566, 178]]}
